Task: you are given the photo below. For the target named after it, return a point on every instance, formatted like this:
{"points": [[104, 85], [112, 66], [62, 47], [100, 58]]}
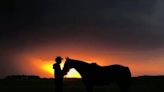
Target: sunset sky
{"points": [[34, 32]]}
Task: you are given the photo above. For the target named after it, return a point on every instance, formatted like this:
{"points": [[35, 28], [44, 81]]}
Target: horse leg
{"points": [[124, 86], [89, 88]]}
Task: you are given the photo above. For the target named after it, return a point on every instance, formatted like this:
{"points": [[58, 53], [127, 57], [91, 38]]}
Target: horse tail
{"points": [[126, 80], [128, 72], [129, 77]]}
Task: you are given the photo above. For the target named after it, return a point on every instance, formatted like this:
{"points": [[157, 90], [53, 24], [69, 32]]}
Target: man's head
{"points": [[58, 59]]}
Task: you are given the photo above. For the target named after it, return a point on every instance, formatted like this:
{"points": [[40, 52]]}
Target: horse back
{"points": [[112, 72], [117, 70]]}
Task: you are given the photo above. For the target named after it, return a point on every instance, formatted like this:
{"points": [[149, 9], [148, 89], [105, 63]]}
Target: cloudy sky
{"points": [[103, 31]]}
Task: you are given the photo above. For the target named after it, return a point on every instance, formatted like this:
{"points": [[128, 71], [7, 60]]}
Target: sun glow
{"points": [[47, 68], [73, 74]]}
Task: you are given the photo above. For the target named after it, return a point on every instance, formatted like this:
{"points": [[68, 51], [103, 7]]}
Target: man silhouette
{"points": [[58, 75]]}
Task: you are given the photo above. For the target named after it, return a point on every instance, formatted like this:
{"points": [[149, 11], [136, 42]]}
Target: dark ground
{"points": [[140, 84]]}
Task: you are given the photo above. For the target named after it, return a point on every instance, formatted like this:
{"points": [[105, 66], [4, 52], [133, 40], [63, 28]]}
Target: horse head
{"points": [[67, 66]]}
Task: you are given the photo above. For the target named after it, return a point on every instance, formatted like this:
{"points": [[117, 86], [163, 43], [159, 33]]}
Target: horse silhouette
{"points": [[93, 74]]}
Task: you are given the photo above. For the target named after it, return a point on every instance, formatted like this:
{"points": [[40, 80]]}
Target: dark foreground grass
{"points": [[140, 84]]}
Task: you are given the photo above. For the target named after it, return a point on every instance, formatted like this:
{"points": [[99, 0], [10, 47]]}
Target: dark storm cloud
{"points": [[76, 12], [122, 24], [100, 12], [19, 13], [158, 16], [107, 22], [138, 37]]}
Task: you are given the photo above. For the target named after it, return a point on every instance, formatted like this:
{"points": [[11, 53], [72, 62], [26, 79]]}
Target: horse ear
{"points": [[66, 58]]}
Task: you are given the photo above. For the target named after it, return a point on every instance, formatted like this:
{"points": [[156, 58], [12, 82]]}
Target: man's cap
{"points": [[58, 58]]}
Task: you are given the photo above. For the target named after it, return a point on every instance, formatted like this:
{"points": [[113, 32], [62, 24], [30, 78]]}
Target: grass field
{"points": [[139, 84]]}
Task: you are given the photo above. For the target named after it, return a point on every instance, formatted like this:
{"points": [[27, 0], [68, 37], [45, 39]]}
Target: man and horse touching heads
{"points": [[93, 74]]}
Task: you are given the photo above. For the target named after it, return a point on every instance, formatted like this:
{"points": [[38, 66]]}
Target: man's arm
{"points": [[54, 65]]}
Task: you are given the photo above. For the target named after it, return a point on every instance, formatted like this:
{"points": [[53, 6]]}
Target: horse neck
{"points": [[81, 67]]}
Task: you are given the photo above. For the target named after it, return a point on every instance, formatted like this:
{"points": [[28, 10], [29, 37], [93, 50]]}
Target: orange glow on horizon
{"points": [[41, 63]]}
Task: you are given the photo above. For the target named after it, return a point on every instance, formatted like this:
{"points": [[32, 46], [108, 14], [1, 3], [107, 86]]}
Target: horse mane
{"points": [[93, 64], [80, 61], [84, 62]]}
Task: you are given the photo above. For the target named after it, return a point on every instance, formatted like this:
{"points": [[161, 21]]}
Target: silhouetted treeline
{"points": [[22, 77]]}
